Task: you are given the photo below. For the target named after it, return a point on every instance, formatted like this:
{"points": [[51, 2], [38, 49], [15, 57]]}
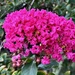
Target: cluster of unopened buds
{"points": [[16, 60], [41, 33]]}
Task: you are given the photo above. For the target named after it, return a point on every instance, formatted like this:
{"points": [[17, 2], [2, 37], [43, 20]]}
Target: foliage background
{"points": [[64, 8]]}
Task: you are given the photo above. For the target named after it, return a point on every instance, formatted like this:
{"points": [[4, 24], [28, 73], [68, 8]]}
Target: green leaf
{"points": [[15, 73], [41, 72], [72, 1], [73, 10], [1, 32], [2, 67], [4, 55], [15, 1], [6, 59], [29, 69], [67, 15], [67, 73], [68, 7], [1, 21], [53, 63], [1, 59], [67, 1], [19, 73], [51, 73], [72, 69], [4, 71]]}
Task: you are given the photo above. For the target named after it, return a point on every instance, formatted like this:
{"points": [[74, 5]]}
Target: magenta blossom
{"points": [[40, 33], [45, 60]]}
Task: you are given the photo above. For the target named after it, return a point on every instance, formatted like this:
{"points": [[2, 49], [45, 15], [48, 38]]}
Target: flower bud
{"points": [[18, 64], [38, 60], [14, 65]]}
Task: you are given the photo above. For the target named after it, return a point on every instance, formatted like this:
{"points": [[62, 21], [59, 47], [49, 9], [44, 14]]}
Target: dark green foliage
{"points": [[61, 7]]}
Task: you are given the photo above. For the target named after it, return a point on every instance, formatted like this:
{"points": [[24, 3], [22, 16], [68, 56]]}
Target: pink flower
{"points": [[57, 57], [16, 60], [41, 33], [27, 52], [35, 49], [13, 58], [70, 55], [45, 60]]}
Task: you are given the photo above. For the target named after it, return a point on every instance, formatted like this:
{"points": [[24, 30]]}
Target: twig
{"points": [[31, 4]]}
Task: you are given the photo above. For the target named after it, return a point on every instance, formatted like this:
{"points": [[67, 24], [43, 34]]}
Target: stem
{"points": [[31, 4]]}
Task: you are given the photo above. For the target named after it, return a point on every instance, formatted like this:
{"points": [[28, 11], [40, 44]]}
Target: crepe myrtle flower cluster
{"points": [[41, 33]]}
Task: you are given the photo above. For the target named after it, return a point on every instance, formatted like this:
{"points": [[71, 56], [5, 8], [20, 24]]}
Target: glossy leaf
{"points": [[15, 73], [1, 59], [51, 73], [29, 69], [53, 63], [41, 72], [67, 73], [2, 67]]}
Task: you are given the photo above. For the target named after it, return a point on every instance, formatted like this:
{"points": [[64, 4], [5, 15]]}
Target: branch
{"points": [[31, 4]]}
